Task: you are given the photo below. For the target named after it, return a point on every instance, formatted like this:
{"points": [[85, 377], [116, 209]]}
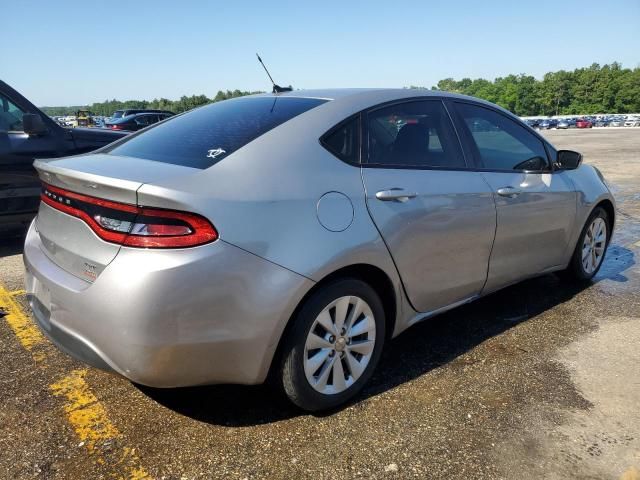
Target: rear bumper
{"points": [[211, 314]]}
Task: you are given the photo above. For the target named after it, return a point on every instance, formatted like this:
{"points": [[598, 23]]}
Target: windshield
{"points": [[204, 136], [117, 114]]}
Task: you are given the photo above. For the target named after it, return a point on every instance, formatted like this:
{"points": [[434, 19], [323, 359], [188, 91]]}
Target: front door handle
{"points": [[510, 192], [395, 195]]}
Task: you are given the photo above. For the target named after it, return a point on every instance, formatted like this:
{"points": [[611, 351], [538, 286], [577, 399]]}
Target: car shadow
{"points": [[429, 345]]}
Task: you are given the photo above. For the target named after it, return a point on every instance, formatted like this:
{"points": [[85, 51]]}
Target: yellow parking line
{"points": [[83, 410], [27, 333], [89, 419]]}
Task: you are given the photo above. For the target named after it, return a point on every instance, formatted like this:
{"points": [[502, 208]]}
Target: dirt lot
{"points": [[538, 381]]}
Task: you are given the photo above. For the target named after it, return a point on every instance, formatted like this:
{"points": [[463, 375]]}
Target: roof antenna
{"points": [[276, 88]]}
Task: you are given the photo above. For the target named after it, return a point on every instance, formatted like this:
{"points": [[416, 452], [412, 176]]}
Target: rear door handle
{"points": [[395, 195], [510, 192]]}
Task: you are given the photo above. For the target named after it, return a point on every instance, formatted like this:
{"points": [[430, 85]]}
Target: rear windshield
{"points": [[208, 134], [117, 114]]}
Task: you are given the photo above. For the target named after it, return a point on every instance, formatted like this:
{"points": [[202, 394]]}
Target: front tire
{"points": [[334, 345], [591, 248]]}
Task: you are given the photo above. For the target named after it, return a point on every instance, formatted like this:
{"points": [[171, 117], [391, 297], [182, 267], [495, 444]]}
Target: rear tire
{"points": [[334, 345], [591, 247]]}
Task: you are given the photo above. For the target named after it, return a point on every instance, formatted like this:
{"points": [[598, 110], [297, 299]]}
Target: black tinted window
{"points": [[10, 115], [206, 135], [502, 143], [143, 120], [344, 140], [413, 134]]}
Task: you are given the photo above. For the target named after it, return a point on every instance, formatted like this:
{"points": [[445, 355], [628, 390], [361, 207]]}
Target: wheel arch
{"points": [[608, 207], [374, 276]]}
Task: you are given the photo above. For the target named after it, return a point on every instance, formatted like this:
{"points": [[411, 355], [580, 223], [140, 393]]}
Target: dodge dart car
{"points": [[292, 235]]}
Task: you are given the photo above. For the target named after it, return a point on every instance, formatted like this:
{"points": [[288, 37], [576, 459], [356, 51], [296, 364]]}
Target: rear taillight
{"points": [[116, 127], [132, 225]]}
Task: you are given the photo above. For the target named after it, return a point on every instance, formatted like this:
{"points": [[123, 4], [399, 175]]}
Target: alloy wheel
{"points": [[339, 345], [593, 245]]}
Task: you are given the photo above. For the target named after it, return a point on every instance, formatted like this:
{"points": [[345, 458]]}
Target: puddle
{"points": [[617, 261]]}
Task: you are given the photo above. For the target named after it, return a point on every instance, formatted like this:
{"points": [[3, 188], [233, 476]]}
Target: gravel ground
{"points": [[540, 380]]}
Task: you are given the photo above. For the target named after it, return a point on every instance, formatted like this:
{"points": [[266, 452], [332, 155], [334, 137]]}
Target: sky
{"points": [[70, 52]]}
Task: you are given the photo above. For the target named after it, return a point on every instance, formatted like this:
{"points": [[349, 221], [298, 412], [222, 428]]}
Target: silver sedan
{"points": [[295, 234]]}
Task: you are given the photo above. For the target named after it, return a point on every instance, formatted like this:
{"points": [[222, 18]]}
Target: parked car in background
{"points": [[617, 122], [138, 121], [632, 122], [583, 123], [124, 113], [548, 123], [563, 124], [26, 133], [602, 122], [396, 205]]}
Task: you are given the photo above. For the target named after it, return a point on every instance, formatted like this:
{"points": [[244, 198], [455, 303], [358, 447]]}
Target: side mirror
{"points": [[568, 160], [33, 124]]}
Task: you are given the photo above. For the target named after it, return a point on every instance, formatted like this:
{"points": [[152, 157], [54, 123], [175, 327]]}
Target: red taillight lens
{"points": [[116, 127], [132, 225]]}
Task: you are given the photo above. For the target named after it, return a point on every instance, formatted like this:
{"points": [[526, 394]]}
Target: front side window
{"points": [[10, 116], [204, 136], [417, 133], [501, 143]]}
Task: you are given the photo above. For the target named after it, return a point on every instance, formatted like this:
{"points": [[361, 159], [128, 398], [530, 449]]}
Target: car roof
{"points": [[382, 93], [364, 98]]}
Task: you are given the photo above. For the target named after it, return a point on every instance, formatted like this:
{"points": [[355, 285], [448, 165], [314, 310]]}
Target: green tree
{"points": [[594, 89]]}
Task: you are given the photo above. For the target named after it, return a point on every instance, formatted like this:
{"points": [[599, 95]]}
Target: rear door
{"points": [[536, 207], [436, 216]]}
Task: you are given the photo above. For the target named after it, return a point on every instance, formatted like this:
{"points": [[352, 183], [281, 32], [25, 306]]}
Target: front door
{"points": [[536, 208], [19, 183], [436, 216]]}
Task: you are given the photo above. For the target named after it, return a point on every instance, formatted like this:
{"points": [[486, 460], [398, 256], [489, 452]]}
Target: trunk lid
{"points": [[69, 241]]}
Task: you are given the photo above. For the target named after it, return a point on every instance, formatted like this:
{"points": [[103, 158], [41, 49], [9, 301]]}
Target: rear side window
{"points": [[502, 143], [344, 140], [204, 136], [144, 120], [414, 134]]}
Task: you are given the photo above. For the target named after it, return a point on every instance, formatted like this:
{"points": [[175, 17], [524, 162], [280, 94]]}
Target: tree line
{"points": [[590, 90], [183, 104]]}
